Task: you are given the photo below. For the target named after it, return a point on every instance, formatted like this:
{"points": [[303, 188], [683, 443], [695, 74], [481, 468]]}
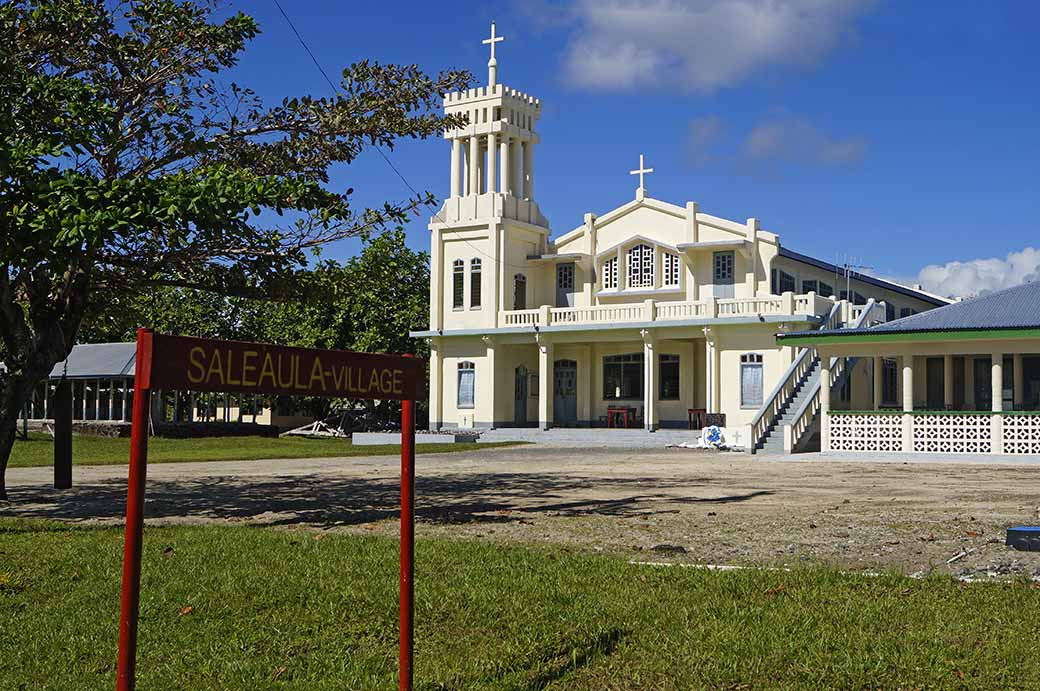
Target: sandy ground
{"points": [[659, 505]]}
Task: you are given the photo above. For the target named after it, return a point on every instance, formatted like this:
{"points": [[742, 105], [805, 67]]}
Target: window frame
{"points": [[669, 360], [623, 361], [751, 361], [609, 274], [640, 265], [671, 268], [458, 284], [779, 278], [475, 276], [466, 366]]}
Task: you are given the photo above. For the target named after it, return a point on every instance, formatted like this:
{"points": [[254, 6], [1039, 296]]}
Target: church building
{"points": [[653, 314]]}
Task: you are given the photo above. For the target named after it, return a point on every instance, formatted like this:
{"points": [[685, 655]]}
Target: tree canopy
{"points": [[126, 167]]}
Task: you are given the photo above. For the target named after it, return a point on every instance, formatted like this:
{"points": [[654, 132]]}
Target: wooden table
{"points": [[622, 411], [697, 415]]}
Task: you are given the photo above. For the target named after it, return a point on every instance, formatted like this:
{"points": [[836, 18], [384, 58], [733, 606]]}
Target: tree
{"points": [[125, 167]]}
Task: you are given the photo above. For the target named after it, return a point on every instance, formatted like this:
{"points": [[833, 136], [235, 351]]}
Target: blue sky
{"points": [[900, 133]]}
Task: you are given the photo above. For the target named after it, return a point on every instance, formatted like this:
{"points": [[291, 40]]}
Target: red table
{"points": [[622, 411]]}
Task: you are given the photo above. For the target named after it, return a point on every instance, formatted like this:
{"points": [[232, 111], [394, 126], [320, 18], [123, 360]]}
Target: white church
{"points": [[650, 315]]}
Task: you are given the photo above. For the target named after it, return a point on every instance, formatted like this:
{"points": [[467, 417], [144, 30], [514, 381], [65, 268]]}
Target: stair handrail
{"points": [[792, 377], [841, 367]]}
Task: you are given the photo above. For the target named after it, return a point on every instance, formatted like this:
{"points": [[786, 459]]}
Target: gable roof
{"points": [[98, 361]]}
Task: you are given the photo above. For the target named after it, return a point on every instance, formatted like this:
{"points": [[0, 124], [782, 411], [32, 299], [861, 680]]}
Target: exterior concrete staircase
{"points": [[773, 441]]}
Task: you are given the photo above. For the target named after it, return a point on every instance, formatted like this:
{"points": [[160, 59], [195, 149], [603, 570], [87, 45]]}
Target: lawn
{"points": [[250, 608], [90, 450]]}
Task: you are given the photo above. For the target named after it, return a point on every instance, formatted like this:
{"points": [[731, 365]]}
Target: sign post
{"points": [[196, 364]]}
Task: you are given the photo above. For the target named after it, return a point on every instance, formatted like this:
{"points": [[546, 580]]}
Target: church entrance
{"points": [[520, 397], [565, 393]]}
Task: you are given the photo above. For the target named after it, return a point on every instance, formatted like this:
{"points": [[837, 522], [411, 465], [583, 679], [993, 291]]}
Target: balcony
{"points": [[787, 304]]}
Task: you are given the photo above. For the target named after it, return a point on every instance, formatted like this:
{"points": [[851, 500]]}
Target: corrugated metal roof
{"points": [[98, 361], [1012, 308]]}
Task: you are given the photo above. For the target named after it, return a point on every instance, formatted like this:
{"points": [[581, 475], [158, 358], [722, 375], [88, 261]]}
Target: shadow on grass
{"points": [[328, 501]]}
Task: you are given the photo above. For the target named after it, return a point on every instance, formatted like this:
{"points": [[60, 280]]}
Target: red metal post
{"points": [[407, 541], [135, 514]]}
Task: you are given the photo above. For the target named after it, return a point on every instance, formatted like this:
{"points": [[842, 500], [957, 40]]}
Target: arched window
{"points": [[467, 384], [670, 265], [610, 274], [458, 289], [474, 283], [519, 292], [751, 380], [641, 267]]}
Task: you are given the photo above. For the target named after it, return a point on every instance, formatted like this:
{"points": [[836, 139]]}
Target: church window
{"points": [[474, 283], [750, 380], [907, 312], [671, 269], [782, 282], [458, 289], [668, 371], [610, 274], [890, 311], [641, 267], [519, 292], [623, 377], [467, 384]]}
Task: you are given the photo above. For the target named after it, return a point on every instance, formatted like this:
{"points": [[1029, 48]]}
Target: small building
{"points": [[101, 376], [964, 378]]}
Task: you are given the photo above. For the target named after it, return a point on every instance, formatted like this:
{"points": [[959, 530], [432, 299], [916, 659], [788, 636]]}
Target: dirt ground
{"points": [[661, 505]]}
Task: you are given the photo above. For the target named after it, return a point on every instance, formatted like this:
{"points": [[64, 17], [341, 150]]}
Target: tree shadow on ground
{"points": [[328, 500]]}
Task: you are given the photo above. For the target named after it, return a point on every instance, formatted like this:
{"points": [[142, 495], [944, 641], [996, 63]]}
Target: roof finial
{"points": [[641, 171], [492, 63]]}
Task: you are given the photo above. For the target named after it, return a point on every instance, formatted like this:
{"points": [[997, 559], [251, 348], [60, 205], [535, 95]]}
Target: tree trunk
{"points": [[8, 427]]}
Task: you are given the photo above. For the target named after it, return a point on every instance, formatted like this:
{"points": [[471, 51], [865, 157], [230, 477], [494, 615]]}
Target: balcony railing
{"points": [[653, 311]]}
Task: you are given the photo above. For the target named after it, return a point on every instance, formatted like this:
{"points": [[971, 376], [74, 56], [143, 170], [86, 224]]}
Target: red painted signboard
{"points": [[200, 364]]}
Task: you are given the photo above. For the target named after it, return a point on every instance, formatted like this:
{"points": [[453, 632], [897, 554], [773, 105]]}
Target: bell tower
{"points": [[492, 156]]}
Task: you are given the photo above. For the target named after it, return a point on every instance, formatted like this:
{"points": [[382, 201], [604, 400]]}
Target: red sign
{"points": [[200, 364]]}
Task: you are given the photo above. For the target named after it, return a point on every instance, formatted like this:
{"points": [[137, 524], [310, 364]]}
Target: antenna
{"points": [[848, 268]]}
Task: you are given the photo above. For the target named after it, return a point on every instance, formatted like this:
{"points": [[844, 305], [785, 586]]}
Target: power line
{"points": [[335, 90]]}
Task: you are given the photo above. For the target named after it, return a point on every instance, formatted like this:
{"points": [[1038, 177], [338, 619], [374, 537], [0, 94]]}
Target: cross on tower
{"points": [[492, 63], [641, 171], [493, 40]]}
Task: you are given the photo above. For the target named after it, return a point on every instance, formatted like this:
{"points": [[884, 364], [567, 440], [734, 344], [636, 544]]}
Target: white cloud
{"points": [[980, 276], [795, 140], [700, 45]]}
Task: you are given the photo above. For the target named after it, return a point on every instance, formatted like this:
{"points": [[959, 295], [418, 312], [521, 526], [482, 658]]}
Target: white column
{"points": [[503, 154], [997, 385], [474, 166], [879, 381], [529, 170], [97, 399], [908, 402], [126, 400], [456, 167], [492, 169], [825, 402], [1019, 385], [489, 386], [649, 382], [545, 389], [948, 381], [712, 371]]}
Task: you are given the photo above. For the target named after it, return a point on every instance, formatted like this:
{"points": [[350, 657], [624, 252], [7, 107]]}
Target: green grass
{"points": [[280, 609], [90, 450]]}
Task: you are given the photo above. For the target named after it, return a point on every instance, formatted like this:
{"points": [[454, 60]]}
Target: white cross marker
{"points": [[493, 40], [641, 172]]}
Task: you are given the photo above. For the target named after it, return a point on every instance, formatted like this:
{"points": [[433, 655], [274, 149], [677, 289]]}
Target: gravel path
{"points": [[672, 504]]}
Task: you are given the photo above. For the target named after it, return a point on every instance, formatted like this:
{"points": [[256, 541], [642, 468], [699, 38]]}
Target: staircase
{"points": [[773, 441], [792, 410]]}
